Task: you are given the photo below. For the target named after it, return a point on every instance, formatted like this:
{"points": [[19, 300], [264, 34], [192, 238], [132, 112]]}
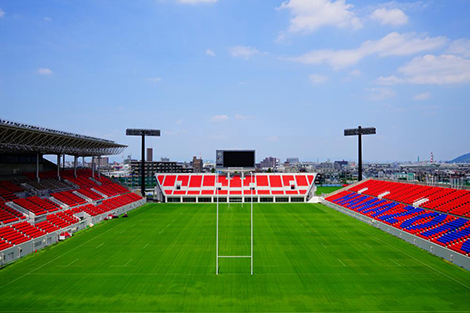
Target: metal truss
{"points": [[23, 138]]}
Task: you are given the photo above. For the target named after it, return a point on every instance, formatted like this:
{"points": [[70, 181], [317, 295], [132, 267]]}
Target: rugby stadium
{"points": [[374, 246], [286, 156]]}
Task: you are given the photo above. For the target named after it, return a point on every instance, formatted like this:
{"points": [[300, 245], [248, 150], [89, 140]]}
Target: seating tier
{"points": [[434, 225], [264, 184], [68, 198]]}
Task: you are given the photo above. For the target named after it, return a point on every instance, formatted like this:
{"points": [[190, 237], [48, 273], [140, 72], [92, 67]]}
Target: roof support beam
{"points": [[22, 138]]}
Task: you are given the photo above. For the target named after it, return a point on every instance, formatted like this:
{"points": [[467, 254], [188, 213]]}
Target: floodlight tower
{"points": [[143, 133], [359, 132]]}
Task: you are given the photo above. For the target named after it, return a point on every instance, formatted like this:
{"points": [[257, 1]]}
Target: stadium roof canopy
{"points": [[22, 138]]}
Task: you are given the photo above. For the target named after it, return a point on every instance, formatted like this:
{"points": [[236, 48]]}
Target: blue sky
{"points": [[282, 77]]}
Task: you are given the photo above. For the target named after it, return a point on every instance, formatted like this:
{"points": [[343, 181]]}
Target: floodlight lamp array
{"points": [[360, 131], [142, 132]]}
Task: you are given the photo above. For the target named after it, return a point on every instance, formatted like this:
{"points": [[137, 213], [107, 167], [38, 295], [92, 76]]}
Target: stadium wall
{"points": [[14, 253], [443, 252], [233, 199], [18, 251]]}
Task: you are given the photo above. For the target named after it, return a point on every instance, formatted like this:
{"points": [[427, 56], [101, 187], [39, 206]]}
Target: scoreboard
{"points": [[235, 159]]}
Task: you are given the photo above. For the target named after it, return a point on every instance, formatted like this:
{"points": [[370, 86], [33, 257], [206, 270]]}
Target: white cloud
{"points": [[219, 118], [44, 71], [388, 81], [355, 73], [48, 19], [393, 44], [309, 15], [243, 117], [380, 94], [422, 96], [394, 17], [244, 52], [272, 139], [196, 1], [154, 80], [460, 46], [414, 6], [281, 38], [316, 79], [210, 53], [351, 76], [431, 70], [2, 13]]}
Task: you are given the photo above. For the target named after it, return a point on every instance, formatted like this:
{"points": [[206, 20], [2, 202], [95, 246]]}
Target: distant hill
{"points": [[462, 159]]}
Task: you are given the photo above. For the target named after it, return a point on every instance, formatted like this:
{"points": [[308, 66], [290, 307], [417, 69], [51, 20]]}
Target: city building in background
{"points": [[292, 160], [269, 163], [336, 172], [197, 165], [159, 167]]}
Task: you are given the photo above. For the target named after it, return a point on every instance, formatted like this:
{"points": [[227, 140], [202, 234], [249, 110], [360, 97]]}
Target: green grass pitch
{"points": [[307, 258], [326, 190]]}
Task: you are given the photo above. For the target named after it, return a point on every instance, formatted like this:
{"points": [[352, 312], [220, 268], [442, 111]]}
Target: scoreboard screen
{"points": [[238, 159]]}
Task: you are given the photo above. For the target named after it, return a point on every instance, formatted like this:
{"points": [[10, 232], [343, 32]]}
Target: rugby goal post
{"points": [[252, 190]]}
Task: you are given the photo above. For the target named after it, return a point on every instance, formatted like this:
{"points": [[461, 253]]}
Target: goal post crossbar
{"points": [[234, 256], [217, 225]]}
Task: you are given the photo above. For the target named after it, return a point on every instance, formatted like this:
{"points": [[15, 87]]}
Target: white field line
{"points": [[367, 245], [429, 266], [342, 262], [65, 253], [308, 230], [100, 245], [127, 262], [72, 262], [161, 231], [283, 311], [394, 262], [145, 246], [323, 245], [133, 225], [123, 231], [168, 225], [353, 274]]}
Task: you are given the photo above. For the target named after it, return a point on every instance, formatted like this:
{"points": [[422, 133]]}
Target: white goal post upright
{"points": [[217, 223], [252, 190]]}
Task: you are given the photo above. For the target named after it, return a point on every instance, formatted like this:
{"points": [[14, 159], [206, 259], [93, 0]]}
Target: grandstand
{"points": [[36, 208], [275, 187], [438, 215]]}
